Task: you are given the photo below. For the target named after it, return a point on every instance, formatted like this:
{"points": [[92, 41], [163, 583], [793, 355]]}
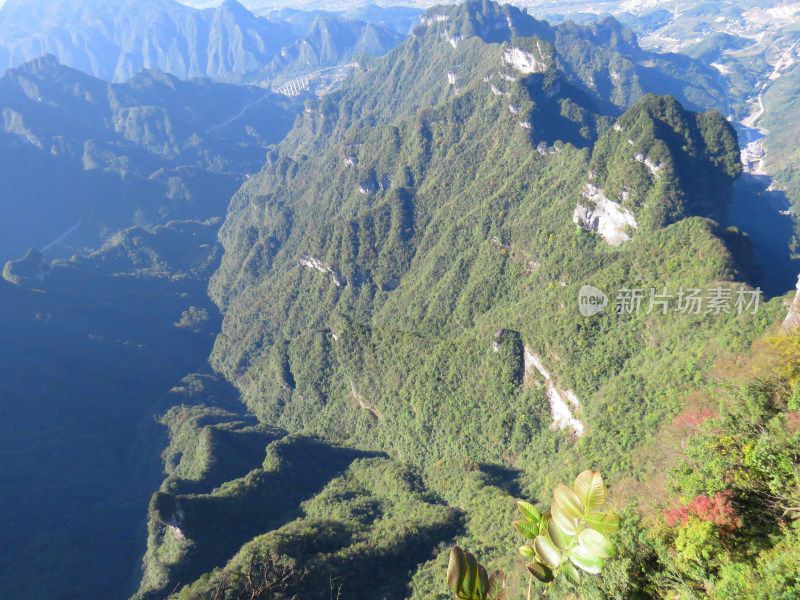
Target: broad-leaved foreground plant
{"points": [[469, 580], [571, 538]]}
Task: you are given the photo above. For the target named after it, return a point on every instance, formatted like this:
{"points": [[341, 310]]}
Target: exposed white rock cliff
{"points": [[434, 19], [455, 40], [792, 320], [495, 91], [177, 533], [653, 167], [525, 124], [606, 217], [368, 186], [451, 78], [562, 402], [523, 61], [310, 262]]}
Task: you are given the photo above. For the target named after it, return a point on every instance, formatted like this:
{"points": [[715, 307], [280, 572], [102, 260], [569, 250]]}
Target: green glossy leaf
{"points": [[526, 551], [590, 490], [603, 522], [565, 522], [482, 584], [544, 523], [547, 551], [596, 543], [527, 529], [582, 559], [558, 536], [569, 502], [471, 578], [497, 586], [571, 573], [541, 571], [529, 511], [456, 569]]}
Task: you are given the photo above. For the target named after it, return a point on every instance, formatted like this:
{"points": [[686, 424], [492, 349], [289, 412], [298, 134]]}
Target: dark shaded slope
{"points": [[79, 151], [88, 352]]}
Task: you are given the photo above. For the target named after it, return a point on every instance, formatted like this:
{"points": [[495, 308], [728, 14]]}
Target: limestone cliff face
{"points": [[604, 216], [564, 404], [792, 320]]}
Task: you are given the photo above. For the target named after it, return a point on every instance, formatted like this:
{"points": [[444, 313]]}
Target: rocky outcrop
{"points": [[523, 61], [792, 320], [368, 186], [562, 402], [428, 20], [651, 166], [608, 218], [310, 262]]}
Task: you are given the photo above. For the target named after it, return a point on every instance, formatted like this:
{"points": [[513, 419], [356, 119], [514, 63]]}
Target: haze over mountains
{"points": [[146, 151], [271, 346], [113, 40]]}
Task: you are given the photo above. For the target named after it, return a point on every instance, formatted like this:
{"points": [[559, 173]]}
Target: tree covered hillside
{"points": [[403, 278]]}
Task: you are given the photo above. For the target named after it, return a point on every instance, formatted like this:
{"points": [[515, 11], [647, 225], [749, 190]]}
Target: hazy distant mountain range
{"points": [[114, 40], [80, 150]]}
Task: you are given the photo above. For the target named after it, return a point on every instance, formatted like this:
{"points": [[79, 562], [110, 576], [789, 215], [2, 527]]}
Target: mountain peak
{"points": [[43, 63], [46, 67], [489, 20], [235, 8]]}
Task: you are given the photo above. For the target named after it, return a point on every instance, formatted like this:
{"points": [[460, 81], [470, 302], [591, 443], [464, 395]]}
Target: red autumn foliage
{"points": [[716, 509], [793, 421], [693, 418]]}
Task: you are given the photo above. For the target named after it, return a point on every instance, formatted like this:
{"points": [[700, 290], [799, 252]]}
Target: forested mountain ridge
{"points": [[403, 276], [330, 42], [146, 151], [114, 40], [490, 260]]}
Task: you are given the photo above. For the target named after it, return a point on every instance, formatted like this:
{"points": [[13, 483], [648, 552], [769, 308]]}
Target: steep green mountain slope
{"points": [[403, 275], [106, 156], [345, 515], [783, 155], [89, 349], [338, 507], [330, 41]]}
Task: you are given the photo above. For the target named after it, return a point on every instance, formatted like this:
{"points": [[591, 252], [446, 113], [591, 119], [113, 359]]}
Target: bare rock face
{"points": [[608, 218], [312, 263], [792, 320], [523, 61], [564, 404]]}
